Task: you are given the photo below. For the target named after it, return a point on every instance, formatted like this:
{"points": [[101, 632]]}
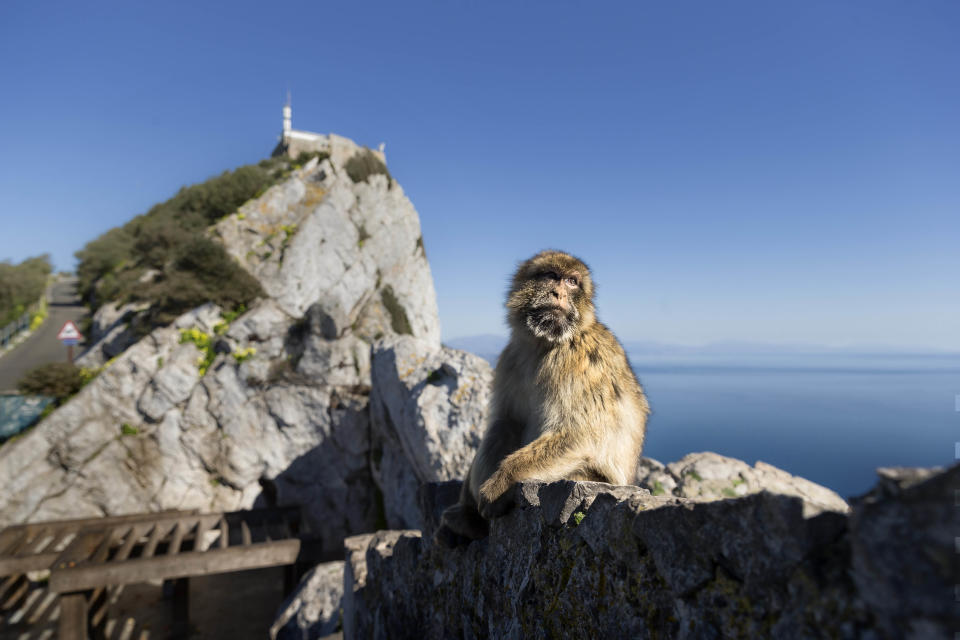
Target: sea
{"points": [[831, 418], [830, 415]]}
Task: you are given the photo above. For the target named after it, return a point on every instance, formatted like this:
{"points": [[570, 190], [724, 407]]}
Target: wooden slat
{"points": [[73, 616], [183, 565], [224, 533], [203, 526], [80, 549], [179, 531], [100, 521], [103, 550], [37, 543], [58, 539], [245, 537], [160, 529], [135, 533], [36, 562], [98, 605], [23, 542], [8, 537], [168, 522]]}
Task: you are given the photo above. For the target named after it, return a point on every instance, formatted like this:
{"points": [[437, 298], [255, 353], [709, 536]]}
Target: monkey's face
{"points": [[551, 296]]}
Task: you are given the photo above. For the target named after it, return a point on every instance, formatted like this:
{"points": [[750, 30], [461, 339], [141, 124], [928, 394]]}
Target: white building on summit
{"points": [[293, 142]]}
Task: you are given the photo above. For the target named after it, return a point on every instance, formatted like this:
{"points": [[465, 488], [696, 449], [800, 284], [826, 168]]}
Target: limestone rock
{"points": [[312, 611], [269, 408], [355, 249], [428, 410], [110, 333], [591, 560], [709, 476]]}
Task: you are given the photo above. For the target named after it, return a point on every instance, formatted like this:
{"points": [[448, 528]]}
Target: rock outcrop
{"points": [[273, 406], [428, 410], [590, 560], [313, 610], [110, 333], [707, 476]]}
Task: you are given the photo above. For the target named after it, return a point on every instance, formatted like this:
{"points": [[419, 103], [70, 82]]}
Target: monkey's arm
{"points": [[462, 522], [552, 456], [502, 439]]}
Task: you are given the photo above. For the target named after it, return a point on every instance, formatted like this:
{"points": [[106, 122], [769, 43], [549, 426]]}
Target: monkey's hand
{"points": [[495, 496]]}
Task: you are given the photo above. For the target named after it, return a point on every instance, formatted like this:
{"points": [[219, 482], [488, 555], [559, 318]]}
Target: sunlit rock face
{"points": [[272, 407]]}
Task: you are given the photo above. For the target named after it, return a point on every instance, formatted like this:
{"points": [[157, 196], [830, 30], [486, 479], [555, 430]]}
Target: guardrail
{"points": [[9, 332]]}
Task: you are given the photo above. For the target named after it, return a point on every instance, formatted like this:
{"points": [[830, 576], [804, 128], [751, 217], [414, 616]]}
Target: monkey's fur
{"points": [[565, 405]]}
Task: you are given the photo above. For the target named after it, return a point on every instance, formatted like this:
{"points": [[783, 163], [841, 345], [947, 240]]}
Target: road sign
{"points": [[69, 333]]}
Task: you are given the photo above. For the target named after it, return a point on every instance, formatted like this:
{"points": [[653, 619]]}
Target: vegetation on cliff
{"points": [[364, 164], [165, 257], [21, 285], [59, 380]]}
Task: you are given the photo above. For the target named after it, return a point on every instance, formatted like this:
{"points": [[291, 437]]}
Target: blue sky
{"points": [[768, 172]]}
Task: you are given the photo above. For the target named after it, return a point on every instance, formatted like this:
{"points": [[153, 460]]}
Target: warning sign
{"points": [[69, 334]]}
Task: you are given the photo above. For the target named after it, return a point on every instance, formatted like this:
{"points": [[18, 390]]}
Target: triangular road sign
{"points": [[69, 332]]}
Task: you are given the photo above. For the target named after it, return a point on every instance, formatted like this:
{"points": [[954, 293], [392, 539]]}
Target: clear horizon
{"points": [[752, 172]]}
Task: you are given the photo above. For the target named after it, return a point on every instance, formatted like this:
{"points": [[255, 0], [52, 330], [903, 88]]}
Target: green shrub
{"points": [[57, 379], [201, 272], [398, 315], [171, 239], [306, 156], [21, 285], [364, 164]]}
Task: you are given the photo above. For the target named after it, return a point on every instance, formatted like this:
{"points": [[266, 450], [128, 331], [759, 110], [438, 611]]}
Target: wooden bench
{"points": [[87, 556]]}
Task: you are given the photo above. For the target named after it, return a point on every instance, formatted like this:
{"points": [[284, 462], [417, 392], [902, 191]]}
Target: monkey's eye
{"points": [[552, 275], [572, 281]]}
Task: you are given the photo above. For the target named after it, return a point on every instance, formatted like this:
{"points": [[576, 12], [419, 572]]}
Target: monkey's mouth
{"points": [[553, 308], [552, 322]]}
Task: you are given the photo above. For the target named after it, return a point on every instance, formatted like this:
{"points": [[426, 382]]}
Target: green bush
{"points": [[170, 239], [364, 164], [307, 156], [201, 271], [21, 285], [398, 315], [57, 379]]}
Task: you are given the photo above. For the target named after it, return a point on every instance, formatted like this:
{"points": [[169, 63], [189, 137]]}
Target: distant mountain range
{"points": [[489, 346]]}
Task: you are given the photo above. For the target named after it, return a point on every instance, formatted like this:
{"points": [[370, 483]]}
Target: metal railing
{"points": [[9, 332]]}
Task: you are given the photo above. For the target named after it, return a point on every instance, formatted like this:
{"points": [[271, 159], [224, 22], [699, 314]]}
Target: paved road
{"points": [[43, 347]]}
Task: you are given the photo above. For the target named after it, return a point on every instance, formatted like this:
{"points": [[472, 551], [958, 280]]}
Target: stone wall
{"points": [[589, 560]]}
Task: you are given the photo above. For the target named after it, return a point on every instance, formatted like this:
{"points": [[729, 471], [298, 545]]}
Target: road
{"points": [[43, 347]]}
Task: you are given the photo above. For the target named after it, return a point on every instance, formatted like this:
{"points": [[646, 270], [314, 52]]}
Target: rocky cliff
{"points": [[333, 392], [589, 560], [296, 401]]}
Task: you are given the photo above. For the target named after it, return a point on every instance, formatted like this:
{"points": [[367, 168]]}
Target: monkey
{"points": [[565, 405]]}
